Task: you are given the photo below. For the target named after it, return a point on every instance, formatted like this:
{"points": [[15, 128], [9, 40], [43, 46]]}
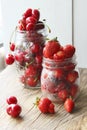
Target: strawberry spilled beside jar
{"points": [[60, 75]]}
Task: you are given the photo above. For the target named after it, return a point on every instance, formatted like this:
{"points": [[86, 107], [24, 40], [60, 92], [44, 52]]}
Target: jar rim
{"points": [[66, 59]]}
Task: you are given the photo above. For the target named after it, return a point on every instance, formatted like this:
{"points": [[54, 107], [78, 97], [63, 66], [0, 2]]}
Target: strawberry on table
{"points": [[45, 105], [69, 105]]}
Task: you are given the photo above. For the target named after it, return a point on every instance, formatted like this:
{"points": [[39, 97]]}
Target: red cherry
{"points": [[19, 56], [11, 100], [27, 13], [12, 46], [31, 20], [31, 71], [35, 48], [9, 59], [14, 110], [38, 59], [32, 82], [22, 24], [36, 14], [30, 26]]}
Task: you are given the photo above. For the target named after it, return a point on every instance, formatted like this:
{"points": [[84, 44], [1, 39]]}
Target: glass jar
{"points": [[28, 56], [60, 79]]}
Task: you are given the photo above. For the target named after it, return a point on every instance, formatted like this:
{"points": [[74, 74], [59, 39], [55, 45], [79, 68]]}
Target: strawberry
{"points": [[69, 105], [63, 94], [51, 47], [59, 73], [69, 50], [70, 66], [45, 105], [72, 76], [60, 55], [73, 90]]}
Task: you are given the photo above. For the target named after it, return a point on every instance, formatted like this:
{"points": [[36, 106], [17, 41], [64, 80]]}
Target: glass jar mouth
{"points": [[66, 59], [51, 63]]}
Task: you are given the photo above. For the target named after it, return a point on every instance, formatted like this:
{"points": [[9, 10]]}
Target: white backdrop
{"points": [[58, 14]]}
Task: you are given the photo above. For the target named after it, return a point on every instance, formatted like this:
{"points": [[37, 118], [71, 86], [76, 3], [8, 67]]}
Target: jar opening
{"points": [[53, 64]]}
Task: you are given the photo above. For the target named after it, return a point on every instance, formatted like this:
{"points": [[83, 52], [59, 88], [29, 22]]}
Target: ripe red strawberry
{"points": [[72, 76], [69, 105], [59, 73], [69, 50], [45, 105], [73, 90], [69, 66], [60, 55], [63, 94], [51, 47]]}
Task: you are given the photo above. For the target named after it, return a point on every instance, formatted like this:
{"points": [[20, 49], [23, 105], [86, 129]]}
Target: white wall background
{"points": [[58, 14], [80, 31]]}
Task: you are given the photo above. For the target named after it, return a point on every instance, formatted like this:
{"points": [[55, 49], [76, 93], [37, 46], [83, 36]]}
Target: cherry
{"points": [[38, 59], [9, 59], [31, 71], [14, 110], [27, 13], [11, 100], [36, 14], [30, 26], [19, 57], [31, 20], [35, 48], [22, 24], [12, 46], [31, 81]]}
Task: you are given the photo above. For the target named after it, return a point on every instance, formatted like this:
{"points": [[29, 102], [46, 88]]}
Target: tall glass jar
{"points": [[28, 56], [60, 79]]}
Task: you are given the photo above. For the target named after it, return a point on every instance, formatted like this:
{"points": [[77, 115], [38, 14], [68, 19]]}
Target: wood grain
{"points": [[31, 118]]}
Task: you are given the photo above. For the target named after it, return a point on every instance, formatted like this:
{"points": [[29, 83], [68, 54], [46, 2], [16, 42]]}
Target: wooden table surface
{"points": [[31, 118]]}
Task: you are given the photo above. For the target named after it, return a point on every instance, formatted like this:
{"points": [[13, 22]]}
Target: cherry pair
{"points": [[13, 109]]}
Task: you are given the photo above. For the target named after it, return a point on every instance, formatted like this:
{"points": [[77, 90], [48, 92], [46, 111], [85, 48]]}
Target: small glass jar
{"points": [[28, 56], [60, 79]]}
